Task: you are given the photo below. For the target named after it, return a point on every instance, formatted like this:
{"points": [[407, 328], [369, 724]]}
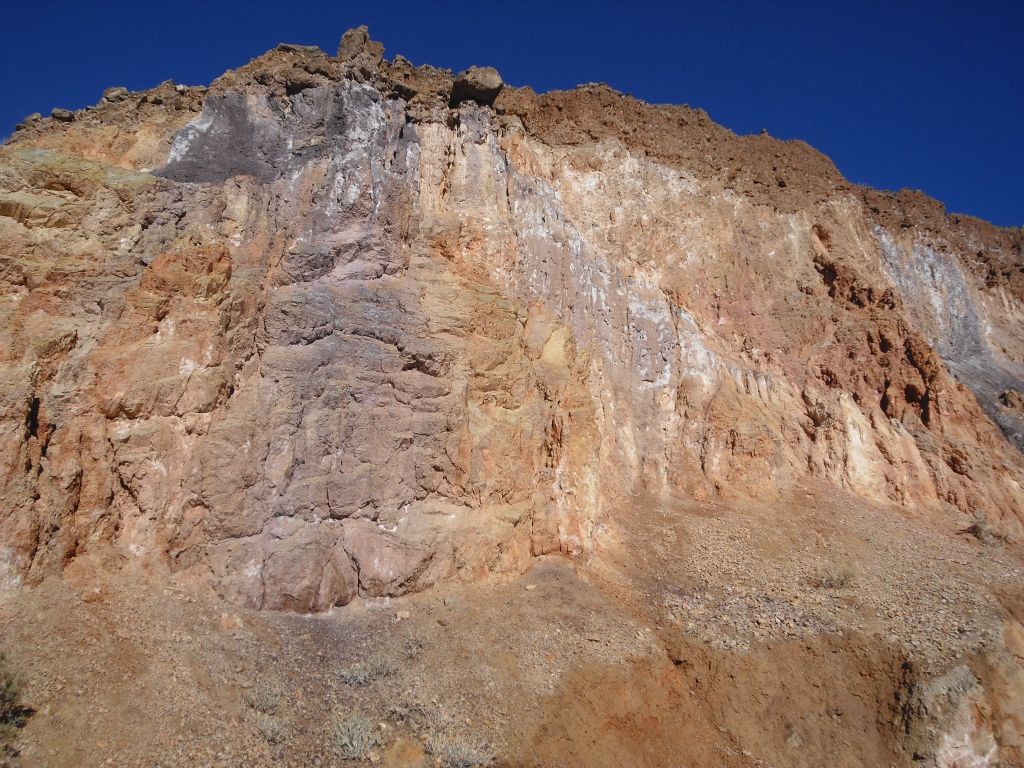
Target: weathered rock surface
{"points": [[356, 42], [338, 327], [312, 332]]}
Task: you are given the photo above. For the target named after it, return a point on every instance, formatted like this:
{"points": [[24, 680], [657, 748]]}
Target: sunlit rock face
{"points": [[322, 330]]}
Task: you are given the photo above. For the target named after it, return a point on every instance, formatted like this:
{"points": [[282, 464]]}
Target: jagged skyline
{"points": [[922, 96]]}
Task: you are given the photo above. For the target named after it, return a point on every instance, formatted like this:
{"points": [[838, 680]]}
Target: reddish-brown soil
{"points": [[564, 666]]}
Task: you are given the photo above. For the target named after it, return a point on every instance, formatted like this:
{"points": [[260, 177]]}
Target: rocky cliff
{"points": [[339, 326]]}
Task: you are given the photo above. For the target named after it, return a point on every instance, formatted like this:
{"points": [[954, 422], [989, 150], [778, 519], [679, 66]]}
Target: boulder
{"points": [[115, 93], [479, 84], [64, 115]]}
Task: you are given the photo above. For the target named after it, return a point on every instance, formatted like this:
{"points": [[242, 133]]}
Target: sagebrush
{"points": [[12, 713], [458, 750], [365, 672], [271, 729], [264, 699], [354, 737]]}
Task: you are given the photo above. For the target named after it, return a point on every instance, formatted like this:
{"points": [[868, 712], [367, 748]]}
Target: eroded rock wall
{"points": [[324, 329]]}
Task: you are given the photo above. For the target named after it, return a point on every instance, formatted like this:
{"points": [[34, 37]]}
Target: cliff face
{"points": [[324, 329]]}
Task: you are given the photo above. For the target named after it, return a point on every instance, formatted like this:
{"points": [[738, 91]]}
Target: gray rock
{"points": [[115, 93], [64, 115], [479, 84], [295, 48], [356, 42]]}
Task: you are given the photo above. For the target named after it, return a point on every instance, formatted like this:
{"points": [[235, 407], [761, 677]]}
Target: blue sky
{"points": [[898, 94]]}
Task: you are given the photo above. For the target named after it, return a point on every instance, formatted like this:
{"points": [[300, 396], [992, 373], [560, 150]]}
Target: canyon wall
{"points": [[342, 326]]}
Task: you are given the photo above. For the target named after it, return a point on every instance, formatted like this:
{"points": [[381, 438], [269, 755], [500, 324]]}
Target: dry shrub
{"points": [[376, 667], [271, 729], [12, 713], [264, 699], [835, 575], [457, 750], [354, 737]]}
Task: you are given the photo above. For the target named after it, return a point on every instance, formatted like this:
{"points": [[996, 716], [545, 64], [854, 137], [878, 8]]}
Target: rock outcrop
{"points": [[341, 326]]}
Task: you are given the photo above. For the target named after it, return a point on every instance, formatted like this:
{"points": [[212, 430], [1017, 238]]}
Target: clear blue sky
{"points": [[928, 95]]}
